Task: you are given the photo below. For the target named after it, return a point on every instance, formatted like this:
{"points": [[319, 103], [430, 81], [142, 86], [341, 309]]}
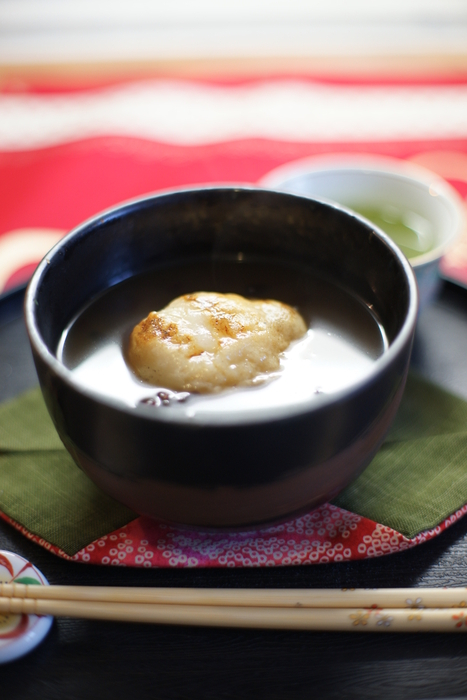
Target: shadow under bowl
{"points": [[232, 470]]}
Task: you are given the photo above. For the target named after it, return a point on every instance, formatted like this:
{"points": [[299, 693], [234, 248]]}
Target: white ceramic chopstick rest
{"points": [[20, 634]]}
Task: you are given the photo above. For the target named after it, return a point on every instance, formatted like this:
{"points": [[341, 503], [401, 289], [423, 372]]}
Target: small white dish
{"points": [[426, 203], [20, 634]]}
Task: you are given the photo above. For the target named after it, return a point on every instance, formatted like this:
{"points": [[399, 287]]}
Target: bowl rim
{"points": [[224, 418], [381, 166]]}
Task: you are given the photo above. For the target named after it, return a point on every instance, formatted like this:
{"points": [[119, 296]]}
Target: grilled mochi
{"points": [[205, 342]]}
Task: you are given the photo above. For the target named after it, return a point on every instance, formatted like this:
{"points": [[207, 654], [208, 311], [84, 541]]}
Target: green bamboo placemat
{"points": [[419, 475], [416, 480], [40, 485]]}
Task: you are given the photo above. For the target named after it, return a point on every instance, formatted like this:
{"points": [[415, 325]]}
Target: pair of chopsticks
{"points": [[374, 610]]}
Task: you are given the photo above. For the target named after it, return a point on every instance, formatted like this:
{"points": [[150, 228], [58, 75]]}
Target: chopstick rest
{"points": [[20, 634]]}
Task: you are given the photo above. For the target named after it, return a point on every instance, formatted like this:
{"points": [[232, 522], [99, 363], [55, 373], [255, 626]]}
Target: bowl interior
{"points": [[216, 225]]}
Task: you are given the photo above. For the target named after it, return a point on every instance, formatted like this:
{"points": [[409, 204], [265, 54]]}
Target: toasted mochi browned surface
{"points": [[205, 342]]}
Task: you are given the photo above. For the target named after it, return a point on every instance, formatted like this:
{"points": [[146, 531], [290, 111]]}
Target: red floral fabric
{"points": [[327, 534]]}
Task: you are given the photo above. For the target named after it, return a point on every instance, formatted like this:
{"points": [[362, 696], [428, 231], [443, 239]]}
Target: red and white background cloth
{"points": [[67, 154]]}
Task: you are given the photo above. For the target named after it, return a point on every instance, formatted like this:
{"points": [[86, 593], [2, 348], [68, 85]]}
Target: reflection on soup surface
{"points": [[330, 344]]}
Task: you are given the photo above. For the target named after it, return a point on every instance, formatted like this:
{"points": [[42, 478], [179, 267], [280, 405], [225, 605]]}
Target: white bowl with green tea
{"points": [[419, 210]]}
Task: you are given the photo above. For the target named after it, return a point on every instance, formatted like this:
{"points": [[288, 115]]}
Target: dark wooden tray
{"points": [[88, 659]]}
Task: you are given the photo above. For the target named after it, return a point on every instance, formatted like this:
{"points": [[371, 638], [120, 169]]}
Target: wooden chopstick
{"points": [[359, 610], [243, 597], [322, 619]]}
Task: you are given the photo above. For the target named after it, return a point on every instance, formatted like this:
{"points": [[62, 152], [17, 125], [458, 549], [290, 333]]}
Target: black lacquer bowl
{"points": [[228, 471]]}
